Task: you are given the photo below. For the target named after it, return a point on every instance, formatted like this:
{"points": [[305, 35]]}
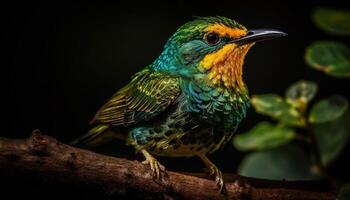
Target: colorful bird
{"points": [[190, 100]]}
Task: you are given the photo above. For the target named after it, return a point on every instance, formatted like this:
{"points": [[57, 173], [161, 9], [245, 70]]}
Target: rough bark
{"points": [[44, 158]]}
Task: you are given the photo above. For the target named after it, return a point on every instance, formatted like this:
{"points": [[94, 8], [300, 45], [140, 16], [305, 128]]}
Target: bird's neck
{"points": [[224, 68], [166, 61]]}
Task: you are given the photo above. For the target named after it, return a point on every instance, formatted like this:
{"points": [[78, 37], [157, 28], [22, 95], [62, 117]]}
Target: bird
{"points": [[189, 101]]}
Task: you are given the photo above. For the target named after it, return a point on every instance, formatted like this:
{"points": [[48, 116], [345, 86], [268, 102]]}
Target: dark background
{"points": [[66, 60]]}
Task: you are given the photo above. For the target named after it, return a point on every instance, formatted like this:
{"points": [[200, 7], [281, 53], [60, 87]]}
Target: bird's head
{"points": [[212, 48]]}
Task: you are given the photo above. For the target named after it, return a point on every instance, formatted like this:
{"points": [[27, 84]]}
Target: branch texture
{"points": [[41, 157]]}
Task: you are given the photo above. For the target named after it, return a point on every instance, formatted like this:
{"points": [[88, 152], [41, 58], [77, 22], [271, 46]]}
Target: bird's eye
{"points": [[212, 38]]}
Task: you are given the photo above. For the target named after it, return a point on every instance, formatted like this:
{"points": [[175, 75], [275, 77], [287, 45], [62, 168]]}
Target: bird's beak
{"points": [[258, 35]]}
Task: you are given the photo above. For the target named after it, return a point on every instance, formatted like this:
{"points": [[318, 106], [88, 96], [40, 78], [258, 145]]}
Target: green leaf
{"points": [[328, 109], [286, 162], [332, 137], [269, 104], [276, 107], [344, 192], [333, 21], [301, 93], [263, 136], [332, 58]]}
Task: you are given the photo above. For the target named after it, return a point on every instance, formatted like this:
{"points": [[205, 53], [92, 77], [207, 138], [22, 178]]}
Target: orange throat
{"points": [[225, 66]]}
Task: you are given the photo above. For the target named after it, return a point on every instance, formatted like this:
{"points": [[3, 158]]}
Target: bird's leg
{"points": [[156, 167], [214, 171]]}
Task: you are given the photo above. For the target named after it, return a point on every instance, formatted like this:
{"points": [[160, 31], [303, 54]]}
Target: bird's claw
{"points": [[156, 167], [219, 180]]}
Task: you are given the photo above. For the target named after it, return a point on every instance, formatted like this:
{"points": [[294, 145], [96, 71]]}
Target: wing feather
{"points": [[147, 95]]}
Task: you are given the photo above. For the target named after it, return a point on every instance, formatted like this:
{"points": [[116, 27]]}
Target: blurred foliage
{"points": [[330, 57], [288, 161], [264, 136], [328, 109], [278, 108], [332, 21], [301, 93], [344, 192], [324, 124], [307, 135], [332, 137]]}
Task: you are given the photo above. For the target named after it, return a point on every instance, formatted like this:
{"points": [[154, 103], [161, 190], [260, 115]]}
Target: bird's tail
{"points": [[95, 136]]}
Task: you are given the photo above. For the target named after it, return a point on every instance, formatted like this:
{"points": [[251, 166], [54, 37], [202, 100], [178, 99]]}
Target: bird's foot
{"points": [[157, 168], [219, 180]]}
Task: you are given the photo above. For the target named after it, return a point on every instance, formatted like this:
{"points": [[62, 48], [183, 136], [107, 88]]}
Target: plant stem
{"points": [[315, 149], [312, 140]]}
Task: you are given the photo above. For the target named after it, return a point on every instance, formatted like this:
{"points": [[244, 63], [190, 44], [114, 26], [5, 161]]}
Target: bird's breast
{"points": [[225, 66], [215, 106]]}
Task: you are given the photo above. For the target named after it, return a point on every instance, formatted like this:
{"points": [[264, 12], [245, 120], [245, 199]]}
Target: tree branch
{"points": [[41, 157]]}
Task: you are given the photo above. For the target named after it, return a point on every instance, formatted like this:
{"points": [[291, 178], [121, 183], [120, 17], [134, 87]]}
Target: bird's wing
{"points": [[148, 94]]}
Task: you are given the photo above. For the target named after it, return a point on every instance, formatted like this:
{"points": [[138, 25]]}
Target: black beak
{"points": [[258, 35]]}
